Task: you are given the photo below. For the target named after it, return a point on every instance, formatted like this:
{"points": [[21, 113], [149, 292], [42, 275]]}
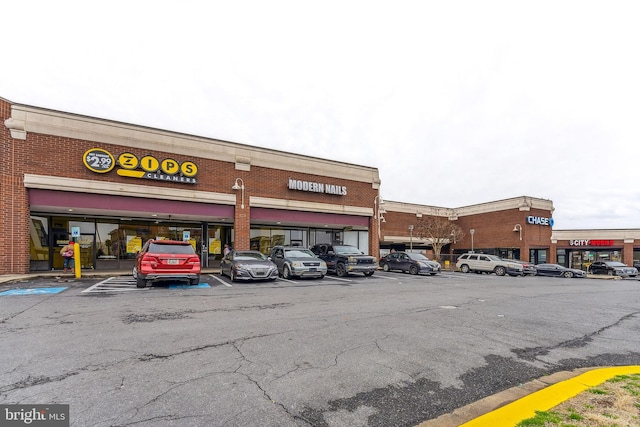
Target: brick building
{"points": [[110, 186], [518, 228]]}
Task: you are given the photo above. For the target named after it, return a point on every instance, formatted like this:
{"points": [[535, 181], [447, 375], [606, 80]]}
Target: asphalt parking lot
{"points": [[387, 350]]}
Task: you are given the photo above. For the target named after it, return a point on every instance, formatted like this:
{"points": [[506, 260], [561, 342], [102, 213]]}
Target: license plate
{"points": [[173, 261], [313, 269]]}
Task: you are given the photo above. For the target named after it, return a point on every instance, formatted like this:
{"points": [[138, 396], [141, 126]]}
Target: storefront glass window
{"points": [[39, 243], [263, 239]]}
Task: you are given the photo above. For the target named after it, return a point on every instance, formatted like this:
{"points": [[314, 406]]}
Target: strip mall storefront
{"points": [[110, 186], [579, 248]]}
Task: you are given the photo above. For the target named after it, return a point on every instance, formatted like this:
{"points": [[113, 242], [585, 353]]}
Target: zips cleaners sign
{"points": [[99, 160]]}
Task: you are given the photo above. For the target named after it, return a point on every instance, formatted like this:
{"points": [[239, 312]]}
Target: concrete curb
{"points": [[511, 406]]}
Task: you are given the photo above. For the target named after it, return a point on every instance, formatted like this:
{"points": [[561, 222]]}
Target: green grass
{"points": [[541, 418]]}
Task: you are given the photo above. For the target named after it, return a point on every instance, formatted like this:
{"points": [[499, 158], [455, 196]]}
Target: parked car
{"points": [[483, 263], [294, 261], [557, 270], [162, 260], [409, 262], [612, 268], [345, 259], [248, 265], [528, 269]]}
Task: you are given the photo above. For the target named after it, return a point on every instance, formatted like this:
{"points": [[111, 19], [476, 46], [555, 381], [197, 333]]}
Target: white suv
{"points": [[483, 263]]}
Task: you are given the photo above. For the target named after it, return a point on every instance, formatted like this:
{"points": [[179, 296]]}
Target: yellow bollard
{"points": [[77, 268], [446, 264]]}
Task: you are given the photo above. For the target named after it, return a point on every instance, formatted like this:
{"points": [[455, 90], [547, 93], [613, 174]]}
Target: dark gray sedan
{"points": [[412, 263], [557, 270], [248, 265]]}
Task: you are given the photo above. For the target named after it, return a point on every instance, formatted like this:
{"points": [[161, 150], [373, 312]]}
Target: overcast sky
{"points": [[455, 102]]}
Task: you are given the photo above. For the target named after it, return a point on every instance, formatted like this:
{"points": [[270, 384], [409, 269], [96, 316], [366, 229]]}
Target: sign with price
{"points": [[98, 160]]}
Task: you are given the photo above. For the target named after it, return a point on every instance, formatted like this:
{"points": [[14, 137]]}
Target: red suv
{"points": [[161, 260]]}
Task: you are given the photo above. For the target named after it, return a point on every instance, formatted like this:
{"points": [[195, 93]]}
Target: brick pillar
{"points": [[14, 199], [374, 241], [552, 258], [242, 224], [627, 252]]}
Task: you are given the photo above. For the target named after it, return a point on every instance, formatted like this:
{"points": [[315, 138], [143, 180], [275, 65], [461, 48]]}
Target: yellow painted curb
{"points": [[549, 397]]}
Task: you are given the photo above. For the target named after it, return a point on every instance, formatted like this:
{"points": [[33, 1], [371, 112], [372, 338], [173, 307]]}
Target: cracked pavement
{"points": [[391, 350]]}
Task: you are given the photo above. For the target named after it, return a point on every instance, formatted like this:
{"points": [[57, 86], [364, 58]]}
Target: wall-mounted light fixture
{"points": [[239, 186], [518, 227], [378, 211]]}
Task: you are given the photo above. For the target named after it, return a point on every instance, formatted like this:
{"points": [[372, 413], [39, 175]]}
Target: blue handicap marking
{"points": [[32, 291], [199, 285]]}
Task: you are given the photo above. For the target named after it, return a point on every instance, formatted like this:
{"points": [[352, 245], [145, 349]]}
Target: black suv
{"points": [[345, 259]]}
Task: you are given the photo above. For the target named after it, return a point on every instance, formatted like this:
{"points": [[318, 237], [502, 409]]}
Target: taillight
{"points": [[193, 260], [150, 260]]}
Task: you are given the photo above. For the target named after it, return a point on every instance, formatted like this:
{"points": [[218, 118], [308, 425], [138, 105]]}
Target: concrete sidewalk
{"points": [[6, 278], [516, 404]]}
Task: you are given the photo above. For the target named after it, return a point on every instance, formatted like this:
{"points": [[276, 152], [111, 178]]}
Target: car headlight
{"points": [[296, 264], [351, 260]]}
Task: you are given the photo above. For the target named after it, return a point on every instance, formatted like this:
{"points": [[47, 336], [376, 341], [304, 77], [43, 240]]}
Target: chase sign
{"points": [[539, 220]]}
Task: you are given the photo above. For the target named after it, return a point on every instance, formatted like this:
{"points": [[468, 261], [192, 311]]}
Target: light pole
{"points": [[411, 238], [472, 232], [378, 211], [240, 186], [518, 227]]}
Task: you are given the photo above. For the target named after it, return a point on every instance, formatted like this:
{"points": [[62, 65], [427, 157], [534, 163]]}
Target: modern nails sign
{"points": [[317, 187]]}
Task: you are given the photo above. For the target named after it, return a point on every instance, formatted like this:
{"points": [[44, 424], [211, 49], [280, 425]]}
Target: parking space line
{"points": [[221, 281], [337, 278], [115, 284]]}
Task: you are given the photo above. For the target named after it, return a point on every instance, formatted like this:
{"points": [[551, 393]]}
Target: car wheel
{"points": [[286, 272], [413, 270], [195, 282], [135, 272], [321, 276], [232, 275], [385, 267], [140, 282], [567, 275], [500, 271], [464, 268], [610, 273], [368, 273], [340, 270], [433, 274]]}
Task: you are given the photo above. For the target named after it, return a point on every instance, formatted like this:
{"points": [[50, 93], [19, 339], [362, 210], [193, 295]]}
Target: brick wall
{"points": [[58, 156]]}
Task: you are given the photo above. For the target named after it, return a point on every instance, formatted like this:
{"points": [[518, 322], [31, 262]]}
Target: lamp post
{"points": [[518, 227], [472, 232], [411, 238], [378, 211], [240, 186]]}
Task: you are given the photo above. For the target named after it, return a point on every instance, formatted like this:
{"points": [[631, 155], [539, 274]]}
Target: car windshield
{"points": [[298, 253], [418, 257], [615, 264], [160, 248], [347, 250], [249, 256]]}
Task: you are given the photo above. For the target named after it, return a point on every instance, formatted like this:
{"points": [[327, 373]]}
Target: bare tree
{"points": [[439, 231]]}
